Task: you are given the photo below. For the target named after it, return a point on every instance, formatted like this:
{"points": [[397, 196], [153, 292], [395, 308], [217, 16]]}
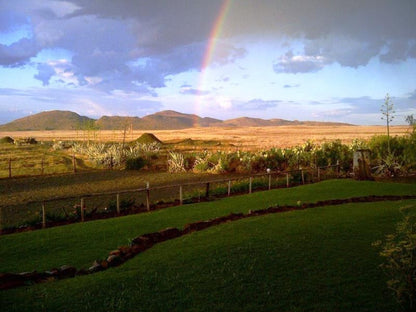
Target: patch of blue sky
{"points": [[10, 37]]}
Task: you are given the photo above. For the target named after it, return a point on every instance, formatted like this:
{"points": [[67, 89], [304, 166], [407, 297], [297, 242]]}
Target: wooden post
{"points": [[303, 177], [10, 167], [180, 195], [118, 204], [319, 174], [207, 191], [250, 184], [229, 187], [148, 196], [74, 164], [43, 215], [338, 169], [82, 210], [287, 179], [270, 182]]}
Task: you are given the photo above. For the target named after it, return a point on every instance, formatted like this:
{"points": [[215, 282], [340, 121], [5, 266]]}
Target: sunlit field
{"points": [[240, 137]]}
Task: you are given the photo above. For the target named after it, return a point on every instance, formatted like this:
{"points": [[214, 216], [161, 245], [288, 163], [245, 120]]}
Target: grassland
{"points": [[318, 259], [233, 137]]}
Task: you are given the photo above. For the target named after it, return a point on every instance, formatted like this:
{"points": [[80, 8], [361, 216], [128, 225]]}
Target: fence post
{"points": [[303, 177], [147, 196], [287, 179], [180, 195], [319, 174], [82, 209], [118, 204], [229, 187], [270, 181], [207, 190], [249, 185], [338, 169], [74, 164], [10, 167], [43, 215]]}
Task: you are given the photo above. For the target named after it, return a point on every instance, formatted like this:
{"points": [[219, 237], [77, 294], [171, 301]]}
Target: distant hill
{"points": [[164, 120], [168, 119], [50, 120]]}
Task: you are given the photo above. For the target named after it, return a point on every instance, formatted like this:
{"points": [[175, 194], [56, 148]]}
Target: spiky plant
{"points": [[176, 162]]}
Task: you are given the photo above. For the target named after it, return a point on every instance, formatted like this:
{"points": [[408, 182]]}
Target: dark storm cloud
{"points": [[18, 53], [170, 37]]}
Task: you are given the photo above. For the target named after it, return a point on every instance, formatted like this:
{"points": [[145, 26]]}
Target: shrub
{"points": [[125, 204], [176, 162], [399, 253], [135, 163], [148, 138], [25, 141], [6, 140]]}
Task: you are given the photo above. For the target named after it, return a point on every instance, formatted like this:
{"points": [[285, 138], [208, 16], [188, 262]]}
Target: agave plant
{"points": [[388, 166], [176, 162]]}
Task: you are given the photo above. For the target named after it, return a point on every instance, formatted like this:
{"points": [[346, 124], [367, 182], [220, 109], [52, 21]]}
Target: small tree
{"points": [[399, 253], [411, 120], [388, 115]]}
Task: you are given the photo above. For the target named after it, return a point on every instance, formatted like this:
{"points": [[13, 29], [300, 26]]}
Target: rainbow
{"points": [[210, 49], [214, 34]]}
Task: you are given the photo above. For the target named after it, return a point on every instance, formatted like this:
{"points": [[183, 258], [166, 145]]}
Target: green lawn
{"points": [[319, 259], [80, 244]]}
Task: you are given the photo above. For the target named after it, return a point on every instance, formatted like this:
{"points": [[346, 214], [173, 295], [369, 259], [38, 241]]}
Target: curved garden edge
{"points": [[146, 241]]}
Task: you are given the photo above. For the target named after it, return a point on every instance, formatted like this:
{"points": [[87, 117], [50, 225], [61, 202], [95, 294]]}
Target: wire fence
{"points": [[80, 208], [34, 166]]}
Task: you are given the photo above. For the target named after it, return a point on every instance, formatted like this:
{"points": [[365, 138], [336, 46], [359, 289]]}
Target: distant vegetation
{"points": [[389, 156], [6, 140]]}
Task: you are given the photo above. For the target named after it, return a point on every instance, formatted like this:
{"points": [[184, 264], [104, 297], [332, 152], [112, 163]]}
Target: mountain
{"points": [[164, 120], [168, 119], [50, 120]]}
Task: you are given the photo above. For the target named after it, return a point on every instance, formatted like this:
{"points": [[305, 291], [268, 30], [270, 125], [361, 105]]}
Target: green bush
{"points": [[135, 163], [125, 204], [399, 253], [6, 140]]}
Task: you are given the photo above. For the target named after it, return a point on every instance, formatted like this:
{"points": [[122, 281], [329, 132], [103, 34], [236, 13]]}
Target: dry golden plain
{"points": [[240, 137]]}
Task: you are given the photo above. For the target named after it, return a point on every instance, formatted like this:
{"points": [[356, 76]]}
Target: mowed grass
{"points": [[319, 259], [80, 244]]}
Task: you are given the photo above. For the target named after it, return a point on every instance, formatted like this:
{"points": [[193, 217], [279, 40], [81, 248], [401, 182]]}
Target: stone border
{"points": [[146, 241]]}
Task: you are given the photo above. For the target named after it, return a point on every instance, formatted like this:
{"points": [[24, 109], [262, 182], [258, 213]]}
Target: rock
{"points": [[66, 271], [116, 252], [53, 272], [82, 272], [154, 237], [104, 264], [11, 280], [169, 233], [197, 226], [114, 260], [141, 240], [96, 267], [124, 250]]}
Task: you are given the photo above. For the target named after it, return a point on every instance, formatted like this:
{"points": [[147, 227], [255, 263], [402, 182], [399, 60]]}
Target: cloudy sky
{"points": [[327, 60]]}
